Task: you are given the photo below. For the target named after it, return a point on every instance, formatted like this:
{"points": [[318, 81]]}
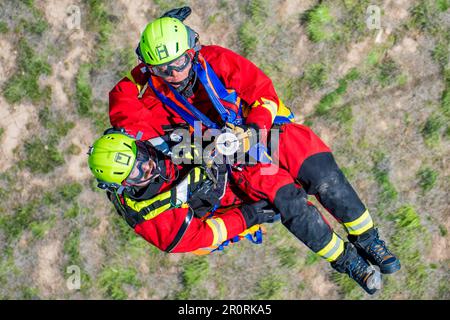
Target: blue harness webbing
{"points": [[256, 238]]}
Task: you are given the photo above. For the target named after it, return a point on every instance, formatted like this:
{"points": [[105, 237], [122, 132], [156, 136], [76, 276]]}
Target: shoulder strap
{"points": [[181, 231]]}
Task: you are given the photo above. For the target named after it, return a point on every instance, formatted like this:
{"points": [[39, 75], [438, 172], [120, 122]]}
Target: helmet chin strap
{"points": [[186, 86]]}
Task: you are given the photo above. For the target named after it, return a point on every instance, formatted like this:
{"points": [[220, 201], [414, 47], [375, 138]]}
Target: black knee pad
{"points": [[302, 219], [322, 177]]}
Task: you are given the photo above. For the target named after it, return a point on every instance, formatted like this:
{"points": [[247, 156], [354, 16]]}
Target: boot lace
{"points": [[379, 250], [358, 270]]}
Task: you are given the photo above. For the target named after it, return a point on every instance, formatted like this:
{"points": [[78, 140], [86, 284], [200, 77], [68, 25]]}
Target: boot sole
{"points": [[374, 281]]}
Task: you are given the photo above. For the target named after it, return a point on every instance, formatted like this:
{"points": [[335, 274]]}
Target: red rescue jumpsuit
{"points": [[300, 152]]}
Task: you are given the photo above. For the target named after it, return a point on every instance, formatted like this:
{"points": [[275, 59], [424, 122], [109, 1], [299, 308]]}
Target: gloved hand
{"points": [[204, 199], [259, 212], [178, 13]]}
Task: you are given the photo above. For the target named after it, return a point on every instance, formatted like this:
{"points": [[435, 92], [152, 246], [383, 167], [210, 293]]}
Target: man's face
{"points": [[175, 71], [144, 168], [178, 76]]}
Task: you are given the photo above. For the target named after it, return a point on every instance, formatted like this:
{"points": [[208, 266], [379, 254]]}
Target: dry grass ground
{"points": [[379, 98]]}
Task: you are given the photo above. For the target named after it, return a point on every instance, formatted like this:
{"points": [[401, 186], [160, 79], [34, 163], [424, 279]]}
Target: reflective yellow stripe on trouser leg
{"points": [[333, 249], [360, 225]]}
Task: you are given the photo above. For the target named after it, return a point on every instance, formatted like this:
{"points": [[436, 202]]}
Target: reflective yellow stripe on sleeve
{"points": [[131, 78], [269, 105], [360, 225], [284, 111], [333, 249], [219, 230]]}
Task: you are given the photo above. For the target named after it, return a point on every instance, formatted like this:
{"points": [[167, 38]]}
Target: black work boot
{"points": [[371, 247], [358, 269]]}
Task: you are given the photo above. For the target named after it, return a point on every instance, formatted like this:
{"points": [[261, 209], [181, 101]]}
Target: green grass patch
{"points": [[440, 53], [72, 212], [375, 56], [347, 287], [29, 293], [83, 89], [443, 290], [427, 178], [70, 191], [424, 16], [165, 5], [36, 26], [23, 215], [24, 83], [443, 5], [126, 61], [40, 228], [445, 100], [100, 116], [353, 22], [102, 23], [72, 247], [73, 149], [269, 287], [112, 279], [320, 25], [56, 124], [31, 20], [258, 10], [3, 27], [288, 256], [380, 170], [443, 230], [316, 75], [312, 258], [344, 116], [387, 72], [330, 100], [431, 129], [124, 233], [8, 271], [193, 272], [248, 41], [41, 157], [409, 242]]}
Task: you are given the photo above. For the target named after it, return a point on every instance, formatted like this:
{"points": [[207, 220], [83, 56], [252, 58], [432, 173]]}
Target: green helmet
{"points": [[164, 40], [112, 157]]}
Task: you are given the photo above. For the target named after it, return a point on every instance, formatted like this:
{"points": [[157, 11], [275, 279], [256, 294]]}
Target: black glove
{"points": [[204, 199], [259, 212], [178, 13]]}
